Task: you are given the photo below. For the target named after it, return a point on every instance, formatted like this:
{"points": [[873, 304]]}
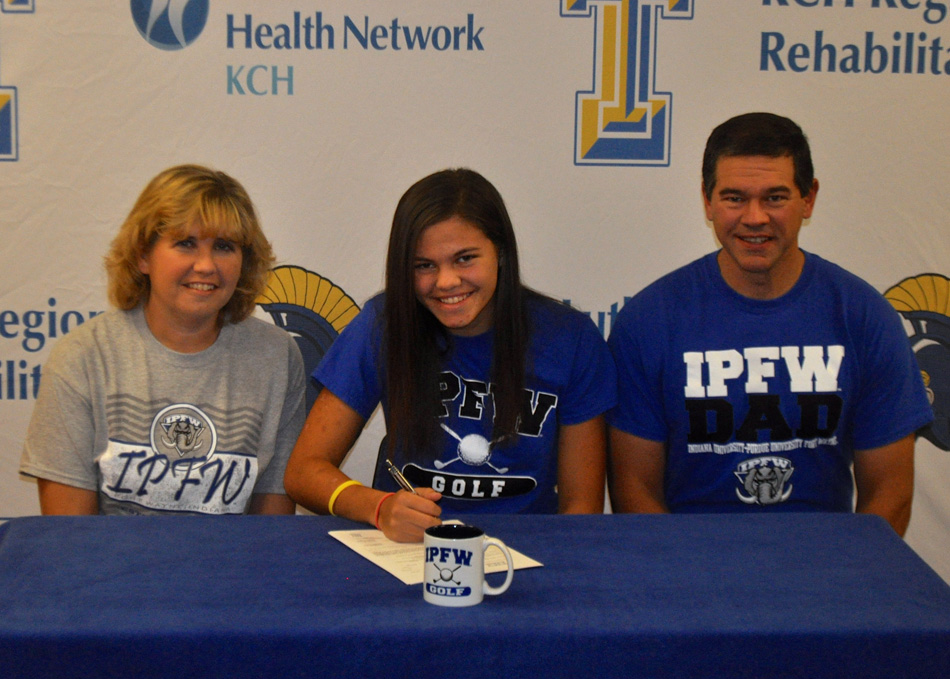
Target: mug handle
{"points": [[488, 589]]}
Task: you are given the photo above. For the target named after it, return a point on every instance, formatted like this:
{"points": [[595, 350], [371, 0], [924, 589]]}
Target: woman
{"points": [[177, 401], [493, 394]]}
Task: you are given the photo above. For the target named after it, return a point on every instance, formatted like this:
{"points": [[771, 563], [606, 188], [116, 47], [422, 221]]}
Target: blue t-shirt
{"points": [[762, 403], [570, 379]]}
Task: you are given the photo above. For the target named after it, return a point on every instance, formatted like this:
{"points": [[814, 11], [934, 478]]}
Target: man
{"points": [[757, 377]]}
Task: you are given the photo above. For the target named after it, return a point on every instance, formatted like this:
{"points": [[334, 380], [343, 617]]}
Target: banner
{"points": [[589, 116]]}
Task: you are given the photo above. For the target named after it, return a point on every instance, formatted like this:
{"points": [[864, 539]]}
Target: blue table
{"points": [[804, 595]]}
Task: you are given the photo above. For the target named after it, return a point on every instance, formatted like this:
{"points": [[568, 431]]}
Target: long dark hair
{"points": [[415, 341]]}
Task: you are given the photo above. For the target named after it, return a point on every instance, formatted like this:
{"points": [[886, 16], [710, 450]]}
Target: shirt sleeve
{"points": [[639, 387], [292, 416], [592, 386], [893, 401], [351, 367], [60, 439]]}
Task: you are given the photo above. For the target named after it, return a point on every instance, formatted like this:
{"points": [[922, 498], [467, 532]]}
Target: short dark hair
{"points": [[759, 134]]}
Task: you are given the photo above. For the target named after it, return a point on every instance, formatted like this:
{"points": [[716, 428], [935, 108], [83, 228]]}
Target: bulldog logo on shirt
{"points": [[764, 480], [183, 430]]}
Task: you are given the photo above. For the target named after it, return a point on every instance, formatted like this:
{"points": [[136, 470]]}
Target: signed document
{"points": [[406, 560]]}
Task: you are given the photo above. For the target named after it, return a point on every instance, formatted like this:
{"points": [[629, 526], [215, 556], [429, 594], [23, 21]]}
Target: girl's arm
{"points": [[581, 465], [313, 474]]}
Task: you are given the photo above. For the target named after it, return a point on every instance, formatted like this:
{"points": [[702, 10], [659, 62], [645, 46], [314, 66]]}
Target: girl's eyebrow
{"points": [[473, 248]]}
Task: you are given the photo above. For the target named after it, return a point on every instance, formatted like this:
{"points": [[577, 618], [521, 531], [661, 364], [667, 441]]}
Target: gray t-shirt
{"points": [[155, 431]]}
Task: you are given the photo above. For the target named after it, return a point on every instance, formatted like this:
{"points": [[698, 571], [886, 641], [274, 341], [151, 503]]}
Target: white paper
{"points": [[406, 560]]}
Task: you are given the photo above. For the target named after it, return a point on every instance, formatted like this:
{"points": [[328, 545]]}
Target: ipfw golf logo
{"points": [[624, 119], [170, 24]]}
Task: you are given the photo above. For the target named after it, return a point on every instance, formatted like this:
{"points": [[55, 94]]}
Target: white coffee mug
{"points": [[455, 565]]}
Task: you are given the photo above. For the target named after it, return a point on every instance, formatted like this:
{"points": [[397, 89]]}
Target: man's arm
{"points": [[635, 474], [884, 478]]}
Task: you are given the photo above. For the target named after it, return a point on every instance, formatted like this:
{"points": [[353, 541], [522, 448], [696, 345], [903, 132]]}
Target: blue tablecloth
{"points": [[791, 595]]}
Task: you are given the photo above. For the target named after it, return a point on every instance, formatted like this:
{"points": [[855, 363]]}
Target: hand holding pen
{"points": [[398, 476], [410, 513]]}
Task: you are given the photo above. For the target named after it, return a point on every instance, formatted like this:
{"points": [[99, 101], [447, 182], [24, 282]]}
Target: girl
{"points": [[493, 394]]}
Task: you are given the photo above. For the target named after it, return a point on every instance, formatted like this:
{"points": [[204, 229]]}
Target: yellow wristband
{"points": [[339, 489]]}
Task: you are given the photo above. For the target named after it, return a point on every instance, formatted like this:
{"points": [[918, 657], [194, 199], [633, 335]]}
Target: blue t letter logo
{"points": [[623, 120]]}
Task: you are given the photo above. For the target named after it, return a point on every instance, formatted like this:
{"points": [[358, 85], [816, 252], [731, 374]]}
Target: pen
{"points": [[400, 479]]}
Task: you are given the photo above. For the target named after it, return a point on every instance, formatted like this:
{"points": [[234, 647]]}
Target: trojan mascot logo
{"points": [[624, 120], [312, 309], [924, 302]]}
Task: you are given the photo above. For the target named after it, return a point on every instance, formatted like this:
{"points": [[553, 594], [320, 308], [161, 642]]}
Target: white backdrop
{"points": [[588, 115]]}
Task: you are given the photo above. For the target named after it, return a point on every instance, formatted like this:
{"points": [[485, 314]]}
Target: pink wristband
{"points": [[380, 506]]}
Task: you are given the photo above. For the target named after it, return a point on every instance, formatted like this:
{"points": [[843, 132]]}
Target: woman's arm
{"points": [[581, 464], [271, 503], [60, 499], [313, 474]]}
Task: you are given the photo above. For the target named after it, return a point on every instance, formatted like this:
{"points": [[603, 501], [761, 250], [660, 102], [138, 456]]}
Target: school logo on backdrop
{"points": [[9, 145], [18, 6], [924, 303], [170, 24], [624, 119], [312, 309], [9, 140]]}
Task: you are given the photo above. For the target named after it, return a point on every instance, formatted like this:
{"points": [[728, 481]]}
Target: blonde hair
{"points": [[174, 201]]}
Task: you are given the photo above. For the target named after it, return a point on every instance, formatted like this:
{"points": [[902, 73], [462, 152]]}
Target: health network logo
{"points": [[170, 24], [624, 119]]}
